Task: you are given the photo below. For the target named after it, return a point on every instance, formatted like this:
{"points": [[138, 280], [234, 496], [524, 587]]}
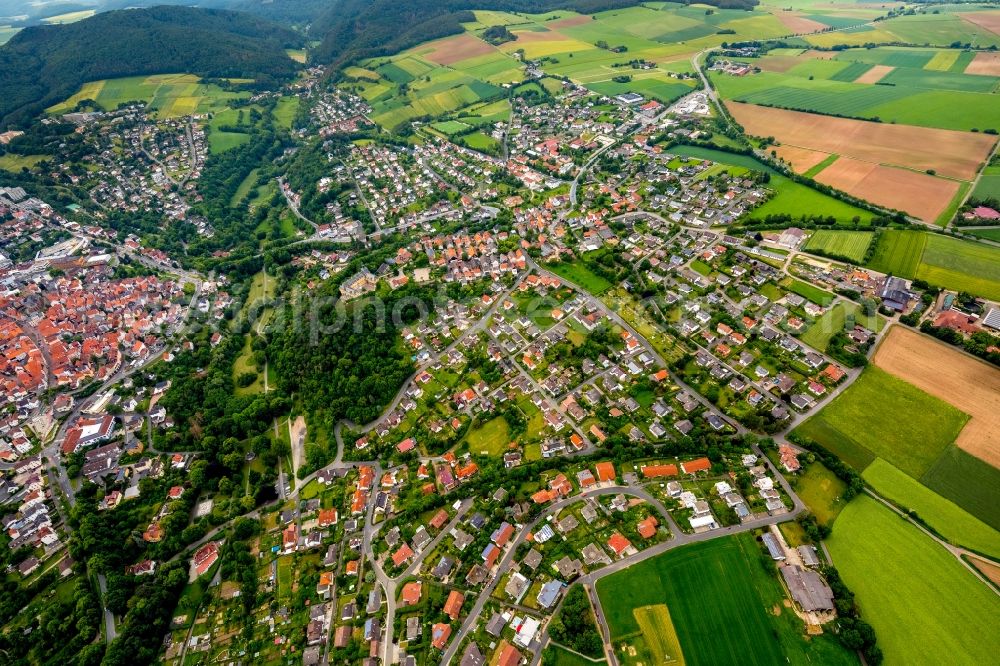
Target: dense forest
{"points": [[43, 64], [353, 29]]}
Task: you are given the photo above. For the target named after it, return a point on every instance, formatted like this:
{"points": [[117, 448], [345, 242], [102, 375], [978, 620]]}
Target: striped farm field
{"points": [[722, 604], [851, 245], [899, 252], [170, 95]]}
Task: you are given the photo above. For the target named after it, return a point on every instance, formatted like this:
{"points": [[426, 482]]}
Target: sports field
{"points": [[881, 416], [724, 606], [946, 518], [926, 608], [170, 95], [850, 245]]}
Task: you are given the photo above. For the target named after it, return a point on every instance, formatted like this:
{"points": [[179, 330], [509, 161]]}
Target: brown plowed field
{"points": [[985, 20], [798, 24], [569, 22], [779, 63], [460, 47], [916, 193], [801, 159], [949, 152], [984, 64], [968, 384], [875, 74]]}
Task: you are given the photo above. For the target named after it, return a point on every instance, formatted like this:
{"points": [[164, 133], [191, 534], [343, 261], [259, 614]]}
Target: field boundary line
{"points": [[579, 654]]}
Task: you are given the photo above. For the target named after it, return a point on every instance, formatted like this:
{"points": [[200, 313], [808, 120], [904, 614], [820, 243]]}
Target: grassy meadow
{"points": [[925, 606], [851, 245], [946, 518]]}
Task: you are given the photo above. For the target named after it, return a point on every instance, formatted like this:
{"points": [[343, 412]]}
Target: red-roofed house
{"points": [[402, 555], [653, 471], [453, 606], [205, 557], [605, 471], [619, 543], [647, 528], [696, 465], [410, 596]]}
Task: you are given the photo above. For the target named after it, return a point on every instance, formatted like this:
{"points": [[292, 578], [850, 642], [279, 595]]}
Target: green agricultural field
{"points": [[898, 252], [480, 141], [926, 608], [881, 416], [821, 490], [851, 245], [243, 190], [961, 265], [988, 185], [450, 127], [491, 438], [220, 142], [989, 234], [715, 589], [169, 95], [946, 518], [968, 482]]}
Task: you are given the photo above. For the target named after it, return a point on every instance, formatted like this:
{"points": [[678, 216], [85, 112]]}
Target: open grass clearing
{"points": [[821, 490], [491, 438]]}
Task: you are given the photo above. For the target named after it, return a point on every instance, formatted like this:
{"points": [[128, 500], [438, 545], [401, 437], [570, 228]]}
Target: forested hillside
{"points": [[43, 64], [353, 29]]}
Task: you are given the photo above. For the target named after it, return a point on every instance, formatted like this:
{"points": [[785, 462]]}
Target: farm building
{"points": [[774, 549], [808, 588]]}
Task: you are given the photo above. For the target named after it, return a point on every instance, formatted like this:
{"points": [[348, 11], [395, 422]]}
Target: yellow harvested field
{"points": [[962, 381], [538, 44], [951, 153], [875, 74], [985, 64], [916, 193], [801, 159], [942, 61]]}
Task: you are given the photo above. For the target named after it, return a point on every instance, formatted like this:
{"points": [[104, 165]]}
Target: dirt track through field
{"points": [[964, 382], [949, 152]]}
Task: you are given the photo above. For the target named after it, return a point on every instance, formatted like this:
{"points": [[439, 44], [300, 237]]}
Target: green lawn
{"points": [[850, 245], [578, 273], [12, 162], [836, 319], [821, 490], [806, 290], [881, 416], [491, 438], [926, 608], [556, 656], [947, 518], [244, 189], [721, 601]]}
